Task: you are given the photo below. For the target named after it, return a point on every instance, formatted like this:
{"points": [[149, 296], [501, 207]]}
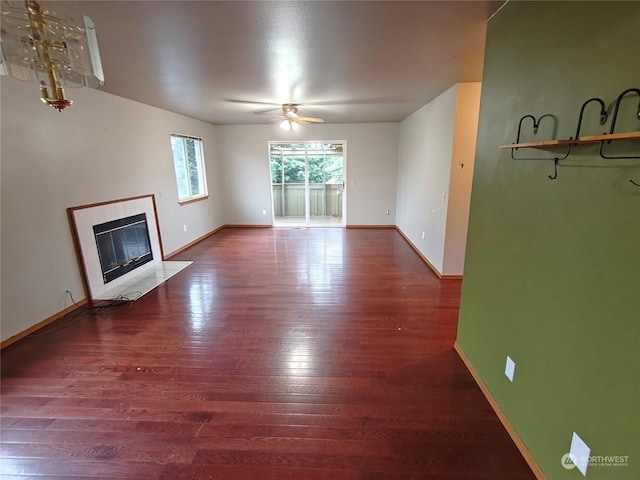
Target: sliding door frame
{"points": [[306, 181]]}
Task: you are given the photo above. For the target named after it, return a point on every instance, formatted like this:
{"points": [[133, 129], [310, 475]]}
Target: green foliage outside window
{"points": [[323, 168], [188, 163]]}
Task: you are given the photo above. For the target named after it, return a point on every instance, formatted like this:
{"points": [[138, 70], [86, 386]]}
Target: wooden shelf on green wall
{"points": [[543, 144], [605, 137]]}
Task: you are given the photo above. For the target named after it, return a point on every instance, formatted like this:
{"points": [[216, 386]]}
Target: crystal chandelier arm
{"points": [[43, 48], [39, 43]]}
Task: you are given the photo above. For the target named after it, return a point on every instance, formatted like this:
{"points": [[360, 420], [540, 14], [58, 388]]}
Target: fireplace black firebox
{"points": [[123, 245]]}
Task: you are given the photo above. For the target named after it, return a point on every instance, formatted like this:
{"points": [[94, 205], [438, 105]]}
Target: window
{"points": [[188, 162]]}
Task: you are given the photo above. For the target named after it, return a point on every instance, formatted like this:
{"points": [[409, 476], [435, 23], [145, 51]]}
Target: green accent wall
{"points": [[552, 272]]}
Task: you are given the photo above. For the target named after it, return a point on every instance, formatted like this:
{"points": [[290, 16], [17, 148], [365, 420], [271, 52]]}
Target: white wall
{"points": [[102, 148], [371, 163], [433, 193], [424, 166]]}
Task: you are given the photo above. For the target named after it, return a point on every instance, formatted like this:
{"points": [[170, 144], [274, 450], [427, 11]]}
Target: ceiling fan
{"points": [[291, 121]]}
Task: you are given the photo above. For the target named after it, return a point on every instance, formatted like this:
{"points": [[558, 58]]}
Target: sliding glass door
{"points": [[307, 183]]}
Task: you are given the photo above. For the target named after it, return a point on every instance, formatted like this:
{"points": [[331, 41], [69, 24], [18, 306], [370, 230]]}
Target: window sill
{"points": [[192, 200]]}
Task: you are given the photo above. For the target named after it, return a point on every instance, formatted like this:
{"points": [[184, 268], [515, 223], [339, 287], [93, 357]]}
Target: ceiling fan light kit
{"points": [[292, 120], [41, 44], [289, 125]]}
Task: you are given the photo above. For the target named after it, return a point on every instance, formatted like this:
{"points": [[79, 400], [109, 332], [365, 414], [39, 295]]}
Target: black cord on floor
{"points": [[95, 309]]}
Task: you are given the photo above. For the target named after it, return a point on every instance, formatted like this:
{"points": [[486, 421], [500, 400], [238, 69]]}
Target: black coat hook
{"points": [[603, 113], [636, 184], [555, 169], [616, 110], [535, 126], [617, 107]]}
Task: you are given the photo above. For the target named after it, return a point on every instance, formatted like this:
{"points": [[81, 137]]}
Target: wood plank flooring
{"points": [[279, 354]]}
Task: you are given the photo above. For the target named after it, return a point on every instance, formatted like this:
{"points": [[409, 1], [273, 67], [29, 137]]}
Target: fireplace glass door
{"points": [[123, 245]]}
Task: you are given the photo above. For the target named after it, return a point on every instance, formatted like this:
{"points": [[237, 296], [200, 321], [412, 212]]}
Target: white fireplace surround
{"points": [[135, 283]]}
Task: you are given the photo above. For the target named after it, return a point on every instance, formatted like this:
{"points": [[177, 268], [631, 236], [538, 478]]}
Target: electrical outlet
{"points": [[184, 227], [422, 235], [264, 212], [579, 453], [386, 212], [510, 368]]}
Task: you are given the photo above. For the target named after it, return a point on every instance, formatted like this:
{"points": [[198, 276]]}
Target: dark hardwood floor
{"points": [[279, 354]]}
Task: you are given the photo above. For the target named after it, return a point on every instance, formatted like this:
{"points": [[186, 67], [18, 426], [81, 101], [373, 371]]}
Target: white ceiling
{"points": [[344, 61]]}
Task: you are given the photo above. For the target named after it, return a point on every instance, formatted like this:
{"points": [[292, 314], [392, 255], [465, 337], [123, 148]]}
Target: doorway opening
{"points": [[307, 183]]}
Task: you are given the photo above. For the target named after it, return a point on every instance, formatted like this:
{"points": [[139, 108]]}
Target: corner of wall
{"points": [[461, 177]]}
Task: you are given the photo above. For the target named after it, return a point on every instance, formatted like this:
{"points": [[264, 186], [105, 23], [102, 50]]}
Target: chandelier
{"points": [[38, 43]]}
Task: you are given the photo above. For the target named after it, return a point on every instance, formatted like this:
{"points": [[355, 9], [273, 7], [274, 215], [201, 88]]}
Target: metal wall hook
{"points": [[603, 114], [617, 107], [552, 145], [555, 169], [535, 126], [614, 157], [563, 157], [613, 125]]}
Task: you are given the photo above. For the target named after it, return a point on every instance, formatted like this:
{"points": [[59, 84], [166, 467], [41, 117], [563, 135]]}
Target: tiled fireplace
{"points": [[119, 246]]}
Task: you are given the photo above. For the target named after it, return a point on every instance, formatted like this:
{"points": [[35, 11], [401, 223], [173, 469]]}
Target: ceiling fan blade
{"points": [[266, 111], [356, 101], [251, 102], [311, 119], [300, 121]]}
